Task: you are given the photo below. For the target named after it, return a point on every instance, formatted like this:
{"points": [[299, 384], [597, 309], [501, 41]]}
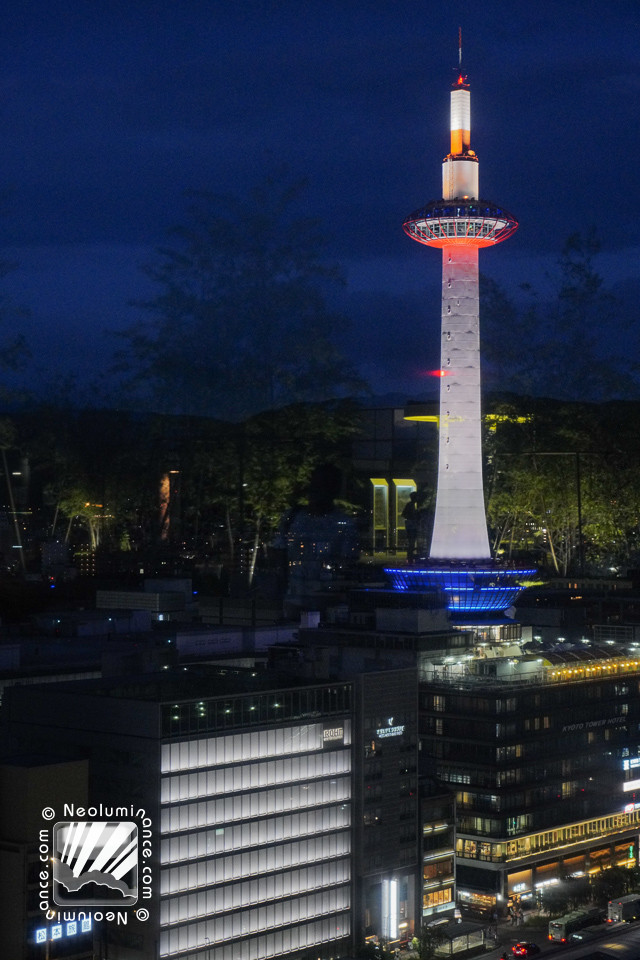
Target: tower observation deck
{"points": [[459, 224]]}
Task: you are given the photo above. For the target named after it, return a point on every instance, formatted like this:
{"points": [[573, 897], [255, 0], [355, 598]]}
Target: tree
{"points": [[514, 356], [75, 506], [555, 346], [428, 942], [533, 495], [563, 479], [555, 900], [241, 322], [614, 882], [82, 458], [245, 476], [13, 351]]}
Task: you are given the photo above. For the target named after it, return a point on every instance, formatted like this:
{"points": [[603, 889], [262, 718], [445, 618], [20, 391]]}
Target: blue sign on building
{"points": [[57, 931]]}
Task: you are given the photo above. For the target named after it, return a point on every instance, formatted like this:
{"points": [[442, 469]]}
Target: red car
{"points": [[524, 949]]}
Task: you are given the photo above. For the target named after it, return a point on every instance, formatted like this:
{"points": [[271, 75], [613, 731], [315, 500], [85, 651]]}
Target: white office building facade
{"points": [[255, 837]]}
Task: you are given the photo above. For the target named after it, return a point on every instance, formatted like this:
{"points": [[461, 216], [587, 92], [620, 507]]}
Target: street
{"points": [[620, 941]]}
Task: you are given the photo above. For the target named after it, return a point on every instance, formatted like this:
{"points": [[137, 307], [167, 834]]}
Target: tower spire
{"points": [[460, 48]]}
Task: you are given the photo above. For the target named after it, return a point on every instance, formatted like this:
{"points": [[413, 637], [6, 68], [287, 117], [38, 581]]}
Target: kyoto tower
{"points": [[460, 561]]}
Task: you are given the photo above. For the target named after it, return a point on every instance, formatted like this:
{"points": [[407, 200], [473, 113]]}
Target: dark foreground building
{"points": [[284, 814]]}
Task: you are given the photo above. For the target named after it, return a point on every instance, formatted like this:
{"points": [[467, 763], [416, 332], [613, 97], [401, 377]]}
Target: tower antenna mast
{"points": [[460, 47]]}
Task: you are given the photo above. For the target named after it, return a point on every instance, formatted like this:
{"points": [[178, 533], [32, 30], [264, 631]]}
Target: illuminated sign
{"points": [[334, 733], [390, 730], [631, 785], [590, 724], [630, 807], [630, 764], [58, 930]]}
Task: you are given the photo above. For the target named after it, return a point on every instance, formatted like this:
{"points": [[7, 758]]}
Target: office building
{"points": [[284, 811]]}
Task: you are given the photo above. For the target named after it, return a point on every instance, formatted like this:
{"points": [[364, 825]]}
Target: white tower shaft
{"points": [[460, 528]]}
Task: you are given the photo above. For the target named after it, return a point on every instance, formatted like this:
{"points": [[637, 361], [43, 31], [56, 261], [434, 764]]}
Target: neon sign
{"points": [[59, 930]]}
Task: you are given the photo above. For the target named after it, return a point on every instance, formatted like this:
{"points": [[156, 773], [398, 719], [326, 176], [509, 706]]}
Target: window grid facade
{"points": [[256, 841]]}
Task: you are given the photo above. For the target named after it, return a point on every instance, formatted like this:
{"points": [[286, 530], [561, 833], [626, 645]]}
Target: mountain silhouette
{"points": [[116, 890]]}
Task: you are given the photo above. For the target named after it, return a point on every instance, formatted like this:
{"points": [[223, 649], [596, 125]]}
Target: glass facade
{"points": [[562, 839], [543, 764], [477, 220], [438, 817], [256, 833]]}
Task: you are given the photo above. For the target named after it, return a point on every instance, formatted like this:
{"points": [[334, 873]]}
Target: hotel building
{"points": [[541, 751]]}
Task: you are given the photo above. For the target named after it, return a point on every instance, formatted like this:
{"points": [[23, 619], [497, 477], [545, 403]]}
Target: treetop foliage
{"points": [[240, 323], [567, 346]]}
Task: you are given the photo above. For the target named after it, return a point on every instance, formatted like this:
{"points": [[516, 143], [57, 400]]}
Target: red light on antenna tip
{"points": [[439, 373]]}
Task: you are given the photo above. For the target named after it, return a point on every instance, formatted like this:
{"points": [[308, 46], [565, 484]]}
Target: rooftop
{"points": [[193, 682]]}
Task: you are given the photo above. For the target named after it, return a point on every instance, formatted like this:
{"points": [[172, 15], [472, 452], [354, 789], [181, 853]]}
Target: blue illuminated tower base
{"points": [[470, 588]]}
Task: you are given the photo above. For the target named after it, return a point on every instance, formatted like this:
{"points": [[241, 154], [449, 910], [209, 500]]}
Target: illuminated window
{"points": [[432, 871], [437, 897]]}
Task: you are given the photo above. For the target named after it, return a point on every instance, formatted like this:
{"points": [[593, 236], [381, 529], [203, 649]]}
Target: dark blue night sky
{"points": [[109, 111]]}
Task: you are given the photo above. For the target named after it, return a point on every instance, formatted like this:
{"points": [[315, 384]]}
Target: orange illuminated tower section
{"points": [[460, 223]]}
